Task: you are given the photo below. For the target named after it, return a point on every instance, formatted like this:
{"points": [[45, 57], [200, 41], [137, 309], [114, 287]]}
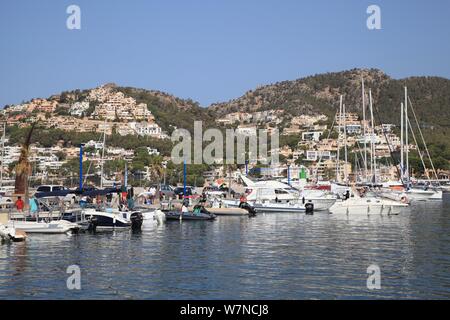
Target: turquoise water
{"points": [[272, 256]]}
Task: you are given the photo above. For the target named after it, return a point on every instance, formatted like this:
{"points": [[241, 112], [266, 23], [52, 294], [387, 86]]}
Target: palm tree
{"points": [[23, 168], [157, 172]]}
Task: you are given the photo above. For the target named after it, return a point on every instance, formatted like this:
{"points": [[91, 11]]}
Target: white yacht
{"points": [[281, 193], [397, 191], [367, 206], [420, 194]]}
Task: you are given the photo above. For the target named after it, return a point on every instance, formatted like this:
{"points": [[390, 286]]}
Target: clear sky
{"points": [[212, 50]]}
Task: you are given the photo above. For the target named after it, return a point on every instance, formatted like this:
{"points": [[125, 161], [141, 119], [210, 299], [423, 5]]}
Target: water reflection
{"points": [[272, 256]]}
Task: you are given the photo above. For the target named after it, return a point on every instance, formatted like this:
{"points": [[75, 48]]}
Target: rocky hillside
{"points": [[320, 94], [170, 111]]}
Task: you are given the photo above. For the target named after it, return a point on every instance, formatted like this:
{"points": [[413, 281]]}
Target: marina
{"points": [[285, 234], [225, 158], [270, 256]]}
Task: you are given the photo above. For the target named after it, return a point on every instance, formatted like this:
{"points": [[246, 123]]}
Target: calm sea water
{"points": [[272, 256]]}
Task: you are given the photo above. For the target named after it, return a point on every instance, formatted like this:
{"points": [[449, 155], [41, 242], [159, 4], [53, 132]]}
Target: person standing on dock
{"points": [[33, 206], [19, 203]]}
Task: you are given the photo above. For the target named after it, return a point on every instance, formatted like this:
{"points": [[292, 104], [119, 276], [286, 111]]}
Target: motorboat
{"points": [[423, 194], [44, 227], [271, 190], [278, 192], [151, 215], [276, 207], [220, 209], [412, 195], [368, 205], [178, 215], [11, 234], [321, 200], [111, 219], [198, 213]]}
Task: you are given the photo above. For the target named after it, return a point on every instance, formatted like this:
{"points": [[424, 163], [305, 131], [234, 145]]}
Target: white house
{"points": [[146, 129], [78, 108], [313, 155], [312, 135]]}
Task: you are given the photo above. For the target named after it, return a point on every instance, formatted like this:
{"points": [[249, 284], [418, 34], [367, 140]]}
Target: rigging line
{"points": [[361, 154], [391, 152], [321, 155], [90, 163], [418, 150], [423, 140]]}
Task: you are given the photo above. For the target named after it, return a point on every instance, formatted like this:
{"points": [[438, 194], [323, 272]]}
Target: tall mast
{"points": [[345, 146], [3, 154], [364, 127], [338, 160], [372, 142], [103, 156], [406, 135], [402, 139]]}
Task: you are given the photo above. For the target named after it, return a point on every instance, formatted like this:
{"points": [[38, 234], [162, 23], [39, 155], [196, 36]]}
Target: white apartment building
{"points": [[246, 130], [353, 128], [312, 135], [146, 129], [10, 154], [314, 155], [78, 108]]}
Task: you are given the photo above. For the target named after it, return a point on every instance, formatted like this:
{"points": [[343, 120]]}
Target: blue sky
{"points": [[211, 50]]}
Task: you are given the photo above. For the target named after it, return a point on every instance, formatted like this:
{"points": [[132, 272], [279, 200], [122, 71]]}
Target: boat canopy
{"points": [[90, 192]]}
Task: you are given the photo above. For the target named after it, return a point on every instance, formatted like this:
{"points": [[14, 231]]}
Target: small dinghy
{"points": [[199, 213], [220, 209]]}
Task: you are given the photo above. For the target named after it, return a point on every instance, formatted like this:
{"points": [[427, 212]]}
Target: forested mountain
{"points": [[430, 97], [320, 94], [171, 111]]}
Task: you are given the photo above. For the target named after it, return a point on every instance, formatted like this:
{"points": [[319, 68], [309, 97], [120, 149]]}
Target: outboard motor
{"points": [[251, 210], [309, 208], [136, 221], [92, 224]]}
